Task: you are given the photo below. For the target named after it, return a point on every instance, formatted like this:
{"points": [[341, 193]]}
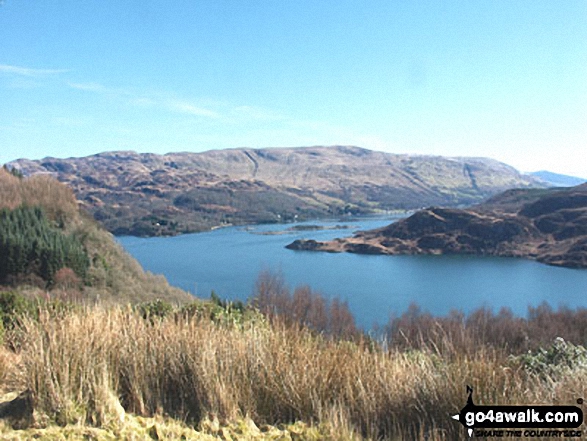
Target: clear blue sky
{"points": [[504, 79]]}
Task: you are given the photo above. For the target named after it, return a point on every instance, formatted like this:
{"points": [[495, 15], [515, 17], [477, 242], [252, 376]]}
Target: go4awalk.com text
{"points": [[520, 421]]}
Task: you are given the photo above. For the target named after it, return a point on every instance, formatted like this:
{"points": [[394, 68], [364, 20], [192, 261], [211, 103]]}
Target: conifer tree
{"points": [[30, 244]]}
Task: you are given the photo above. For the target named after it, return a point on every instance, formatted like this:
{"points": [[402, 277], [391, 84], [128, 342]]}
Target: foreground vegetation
{"points": [[212, 369]]}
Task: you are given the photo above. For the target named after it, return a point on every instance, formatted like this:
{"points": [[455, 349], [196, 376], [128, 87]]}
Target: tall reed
{"points": [[88, 363]]}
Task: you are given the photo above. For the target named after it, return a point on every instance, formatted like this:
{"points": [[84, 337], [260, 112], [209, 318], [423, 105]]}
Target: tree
{"points": [[29, 244]]}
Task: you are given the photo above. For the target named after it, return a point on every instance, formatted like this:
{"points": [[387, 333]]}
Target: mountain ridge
{"points": [[557, 179], [149, 194]]}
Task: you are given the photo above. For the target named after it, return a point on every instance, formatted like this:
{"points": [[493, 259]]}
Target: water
{"points": [[229, 260]]}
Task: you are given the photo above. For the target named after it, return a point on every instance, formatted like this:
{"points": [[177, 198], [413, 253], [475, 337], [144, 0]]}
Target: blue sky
{"points": [[504, 79]]}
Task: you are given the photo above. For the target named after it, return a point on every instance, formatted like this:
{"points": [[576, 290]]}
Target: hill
{"points": [[148, 194], [49, 247], [558, 180], [546, 225]]}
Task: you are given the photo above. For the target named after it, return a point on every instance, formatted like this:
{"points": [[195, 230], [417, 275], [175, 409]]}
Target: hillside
{"points": [[49, 247], [148, 194], [545, 225], [558, 180]]}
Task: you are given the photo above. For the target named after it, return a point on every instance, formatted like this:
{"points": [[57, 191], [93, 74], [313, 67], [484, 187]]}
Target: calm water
{"points": [[229, 260]]}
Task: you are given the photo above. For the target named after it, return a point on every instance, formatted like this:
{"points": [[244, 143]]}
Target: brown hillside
{"points": [[546, 225], [148, 194]]}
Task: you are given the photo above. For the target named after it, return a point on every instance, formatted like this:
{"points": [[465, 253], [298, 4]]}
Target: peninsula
{"points": [[547, 225]]}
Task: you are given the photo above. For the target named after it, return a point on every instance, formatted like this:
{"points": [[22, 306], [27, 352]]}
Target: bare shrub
{"points": [[67, 286], [462, 334], [67, 279], [271, 295], [56, 199], [342, 322], [304, 308], [10, 196]]}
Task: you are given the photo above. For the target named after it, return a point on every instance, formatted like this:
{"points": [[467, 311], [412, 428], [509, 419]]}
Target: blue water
{"points": [[229, 260]]}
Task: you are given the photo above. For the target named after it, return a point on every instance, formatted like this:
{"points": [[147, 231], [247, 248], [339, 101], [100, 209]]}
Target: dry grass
{"points": [[159, 428], [94, 365], [6, 363]]}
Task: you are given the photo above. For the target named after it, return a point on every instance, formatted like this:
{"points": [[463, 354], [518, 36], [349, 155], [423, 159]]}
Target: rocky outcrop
{"points": [[548, 226]]}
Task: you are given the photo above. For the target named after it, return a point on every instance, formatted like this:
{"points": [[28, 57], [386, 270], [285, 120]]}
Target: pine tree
{"points": [[29, 244]]}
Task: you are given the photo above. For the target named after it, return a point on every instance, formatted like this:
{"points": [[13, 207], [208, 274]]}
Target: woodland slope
{"points": [[48, 247]]}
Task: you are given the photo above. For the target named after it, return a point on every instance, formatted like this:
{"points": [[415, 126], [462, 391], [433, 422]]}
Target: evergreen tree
{"points": [[30, 244]]}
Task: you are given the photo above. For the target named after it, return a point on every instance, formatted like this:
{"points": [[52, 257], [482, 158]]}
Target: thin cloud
{"points": [[28, 71], [190, 109], [90, 87], [143, 102], [173, 105], [98, 88]]}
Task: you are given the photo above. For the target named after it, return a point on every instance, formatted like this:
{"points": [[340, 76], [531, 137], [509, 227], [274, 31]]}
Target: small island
{"points": [[303, 227]]}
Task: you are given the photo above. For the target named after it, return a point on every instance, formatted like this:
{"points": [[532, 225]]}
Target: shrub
{"points": [[559, 359], [220, 311], [155, 309], [13, 307], [67, 279], [67, 286], [415, 329]]}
